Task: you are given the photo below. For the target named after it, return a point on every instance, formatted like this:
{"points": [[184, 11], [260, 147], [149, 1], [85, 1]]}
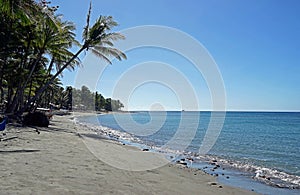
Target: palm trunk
{"points": [[12, 106], [44, 87], [3, 66], [32, 70], [18, 97], [1, 88], [30, 90], [50, 66]]}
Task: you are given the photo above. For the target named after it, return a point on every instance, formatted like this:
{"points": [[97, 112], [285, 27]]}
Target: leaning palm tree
{"points": [[97, 38]]}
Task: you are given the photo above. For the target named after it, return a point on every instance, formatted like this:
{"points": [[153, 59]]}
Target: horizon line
{"points": [[211, 110]]}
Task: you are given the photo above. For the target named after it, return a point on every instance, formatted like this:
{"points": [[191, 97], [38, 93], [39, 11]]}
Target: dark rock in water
{"points": [[146, 149], [36, 119]]}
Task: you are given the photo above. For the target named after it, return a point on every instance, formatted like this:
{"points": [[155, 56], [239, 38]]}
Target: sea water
{"points": [[259, 150]]}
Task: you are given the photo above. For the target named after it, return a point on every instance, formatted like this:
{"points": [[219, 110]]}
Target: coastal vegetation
{"points": [[36, 46], [84, 99]]}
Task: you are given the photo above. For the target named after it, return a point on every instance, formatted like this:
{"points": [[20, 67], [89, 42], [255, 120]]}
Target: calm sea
{"points": [[257, 146]]}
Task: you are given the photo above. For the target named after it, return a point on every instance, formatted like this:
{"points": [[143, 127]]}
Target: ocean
{"points": [[259, 151]]}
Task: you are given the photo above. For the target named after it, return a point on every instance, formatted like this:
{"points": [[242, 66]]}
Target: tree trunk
{"points": [[50, 66], [44, 87], [30, 90], [32, 70]]}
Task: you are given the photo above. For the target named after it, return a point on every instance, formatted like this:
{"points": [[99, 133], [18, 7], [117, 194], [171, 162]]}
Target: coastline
{"points": [[58, 161], [246, 176]]}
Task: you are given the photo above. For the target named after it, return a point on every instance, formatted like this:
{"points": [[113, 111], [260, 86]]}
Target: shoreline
{"points": [[57, 161], [238, 177]]}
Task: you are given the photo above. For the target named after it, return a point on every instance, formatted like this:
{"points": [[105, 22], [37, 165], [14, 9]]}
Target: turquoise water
{"points": [[261, 146]]}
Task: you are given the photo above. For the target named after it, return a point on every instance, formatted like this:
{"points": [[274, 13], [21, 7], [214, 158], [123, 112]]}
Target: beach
{"points": [[57, 161]]}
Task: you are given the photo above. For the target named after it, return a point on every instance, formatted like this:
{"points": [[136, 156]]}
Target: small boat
{"points": [[3, 124]]}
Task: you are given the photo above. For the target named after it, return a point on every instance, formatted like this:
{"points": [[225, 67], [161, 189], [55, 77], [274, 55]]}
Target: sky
{"points": [[255, 45]]}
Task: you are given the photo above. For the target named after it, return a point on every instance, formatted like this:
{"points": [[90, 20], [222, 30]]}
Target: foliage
{"points": [[84, 99], [35, 45]]}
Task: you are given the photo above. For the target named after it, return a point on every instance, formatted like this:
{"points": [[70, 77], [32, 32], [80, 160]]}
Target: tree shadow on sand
{"points": [[18, 151]]}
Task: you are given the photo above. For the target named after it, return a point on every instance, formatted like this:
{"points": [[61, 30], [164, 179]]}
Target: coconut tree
{"points": [[60, 53], [32, 35], [27, 34], [99, 39]]}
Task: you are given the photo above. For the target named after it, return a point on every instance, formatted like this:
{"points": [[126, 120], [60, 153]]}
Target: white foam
{"points": [[267, 175], [108, 132]]}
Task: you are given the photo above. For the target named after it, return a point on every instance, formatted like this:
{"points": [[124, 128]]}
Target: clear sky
{"points": [[255, 44]]}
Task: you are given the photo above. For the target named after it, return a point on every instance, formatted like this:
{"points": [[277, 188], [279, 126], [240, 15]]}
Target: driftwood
{"points": [[8, 138]]}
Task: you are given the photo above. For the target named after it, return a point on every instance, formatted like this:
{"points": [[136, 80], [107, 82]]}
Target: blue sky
{"points": [[255, 44]]}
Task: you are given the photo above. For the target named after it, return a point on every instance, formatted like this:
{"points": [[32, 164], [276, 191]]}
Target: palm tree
{"points": [[31, 31], [23, 10], [34, 32], [96, 38], [15, 14]]}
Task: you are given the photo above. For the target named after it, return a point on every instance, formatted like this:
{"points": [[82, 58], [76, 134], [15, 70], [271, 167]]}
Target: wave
{"points": [[266, 175], [108, 132]]}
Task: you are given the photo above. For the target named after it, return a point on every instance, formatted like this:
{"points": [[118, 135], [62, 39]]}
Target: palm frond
{"points": [[109, 51], [101, 55], [113, 36], [106, 42]]}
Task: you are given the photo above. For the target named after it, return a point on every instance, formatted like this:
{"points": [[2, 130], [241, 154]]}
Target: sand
{"points": [[69, 159]]}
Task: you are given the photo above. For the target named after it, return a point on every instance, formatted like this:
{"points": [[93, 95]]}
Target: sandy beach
{"points": [[58, 160]]}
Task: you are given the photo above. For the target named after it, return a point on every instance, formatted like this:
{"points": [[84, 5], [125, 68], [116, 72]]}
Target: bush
{"points": [[36, 119]]}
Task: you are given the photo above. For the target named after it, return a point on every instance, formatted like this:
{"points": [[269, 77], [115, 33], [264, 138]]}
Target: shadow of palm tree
{"points": [[18, 151]]}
